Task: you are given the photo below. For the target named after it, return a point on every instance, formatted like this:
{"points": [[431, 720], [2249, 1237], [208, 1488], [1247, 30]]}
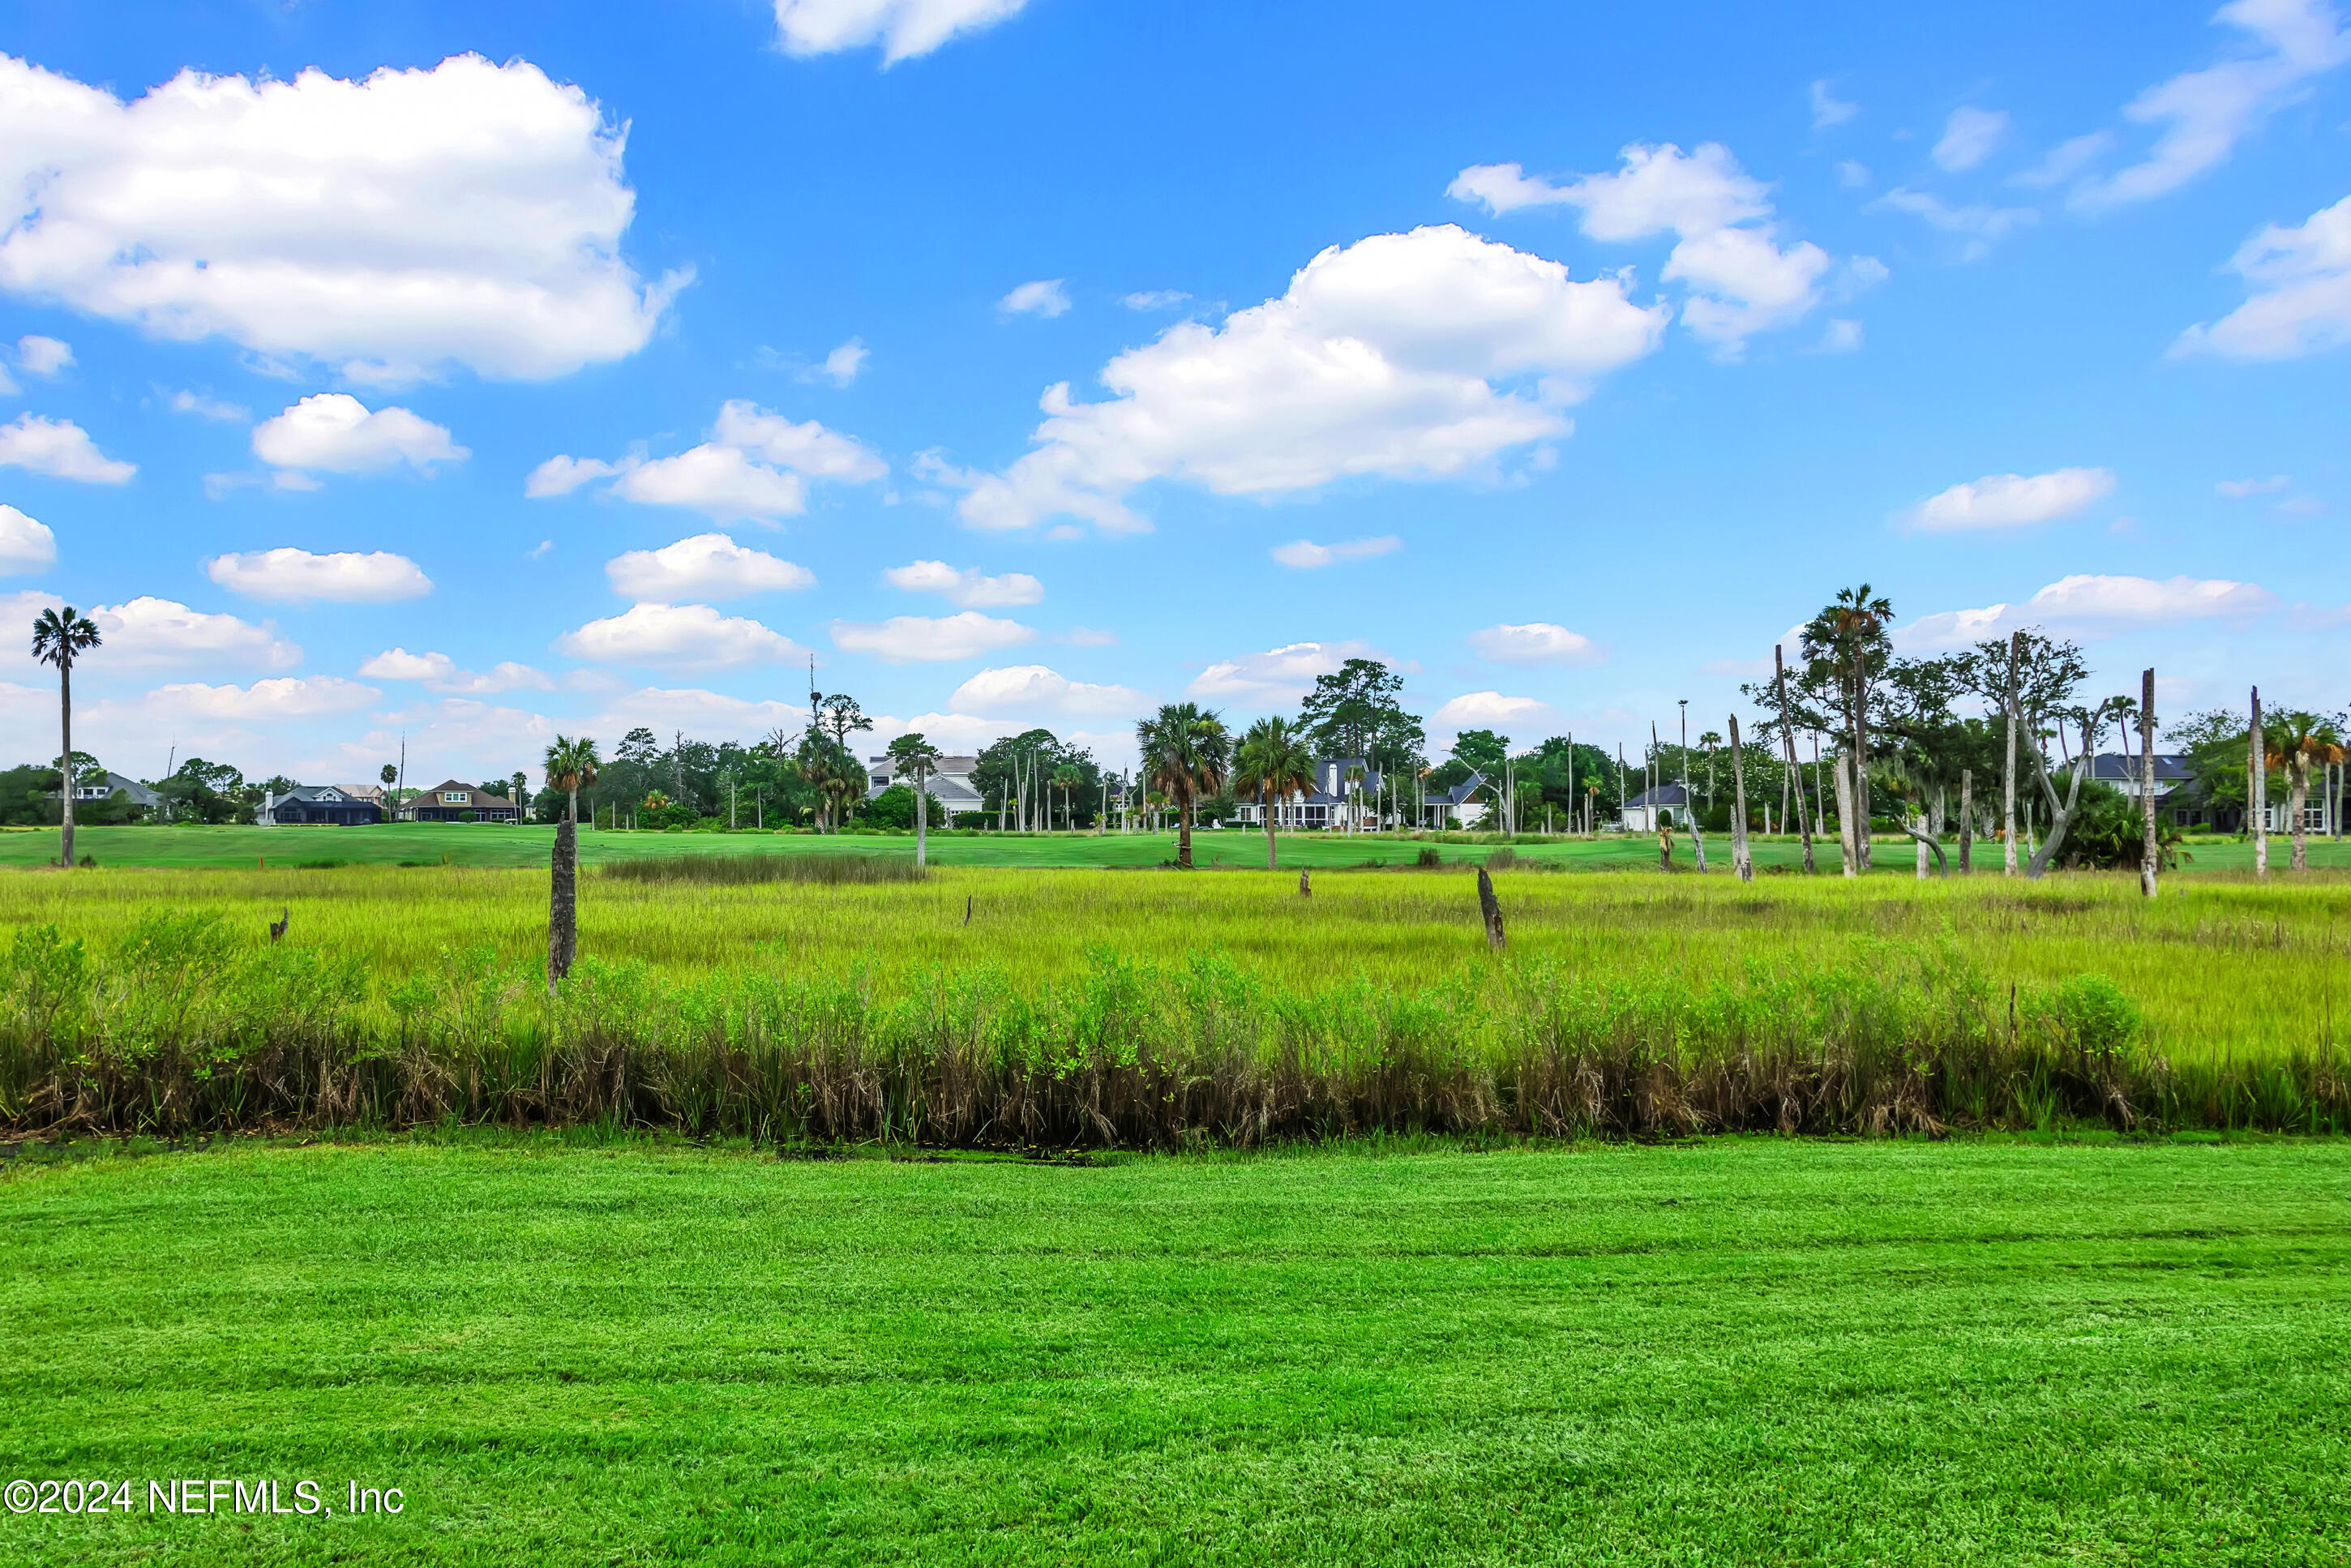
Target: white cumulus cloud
{"points": [[2301, 293], [754, 469], [1828, 108], [1404, 356], [285, 697], [1741, 279], [1537, 643], [1514, 716], [60, 449], [903, 28], [44, 356], [676, 636], [707, 567], [440, 673], [1277, 677], [1046, 296], [203, 405], [469, 214], [2205, 113], [2011, 500], [291, 576], [927, 639], [334, 433], [1307, 554], [149, 634], [1025, 689], [842, 366], [25, 545], [1969, 137], [968, 588], [1981, 224], [2086, 605]]}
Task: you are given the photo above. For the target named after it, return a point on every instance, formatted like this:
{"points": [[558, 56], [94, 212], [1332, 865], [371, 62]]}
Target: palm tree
{"points": [[1066, 778], [1186, 751], [913, 752], [59, 637], [571, 768], [1711, 739], [1271, 763], [1355, 795], [2295, 741]]}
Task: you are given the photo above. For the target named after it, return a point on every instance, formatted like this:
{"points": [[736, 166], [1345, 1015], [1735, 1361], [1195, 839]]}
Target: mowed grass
{"points": [[486, 844], [1743, 1351], [2220, 968]]}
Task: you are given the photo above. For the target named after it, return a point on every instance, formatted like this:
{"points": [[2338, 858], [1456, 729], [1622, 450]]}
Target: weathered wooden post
{"points": [[1491, 908], [1305, 888]]}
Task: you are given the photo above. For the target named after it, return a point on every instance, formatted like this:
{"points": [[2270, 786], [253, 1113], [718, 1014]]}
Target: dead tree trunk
{"points": [[2150, 846], [1741, 861], [563, 902], [1491, 908], [1803, 818], [1967, 816], [2008, 772], [2257, 790], [1846, 852]]}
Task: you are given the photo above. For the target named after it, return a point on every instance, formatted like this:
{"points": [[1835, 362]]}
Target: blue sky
{"points": [[478, 372]]}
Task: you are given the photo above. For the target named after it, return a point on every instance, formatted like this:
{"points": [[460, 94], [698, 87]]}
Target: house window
{"points": [[452, 796]]}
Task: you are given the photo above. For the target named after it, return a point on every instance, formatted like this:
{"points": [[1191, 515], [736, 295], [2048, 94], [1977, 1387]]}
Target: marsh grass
{"points": [[829, 869], [180, 1023]]}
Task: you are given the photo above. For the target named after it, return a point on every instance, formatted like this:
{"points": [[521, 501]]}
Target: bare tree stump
{"points": [[1491, 908], [1305, 888]]}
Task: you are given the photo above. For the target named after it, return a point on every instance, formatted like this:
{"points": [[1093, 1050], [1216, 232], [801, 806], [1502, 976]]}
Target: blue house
{"points": [[315, 805]]}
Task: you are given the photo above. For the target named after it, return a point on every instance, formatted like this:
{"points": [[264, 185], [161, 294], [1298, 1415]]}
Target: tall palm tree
{"points": [[911, 753], [1066, 778], [2296, 742], [1186, 751], [59, 637], [570, 767], [1271, 763]]}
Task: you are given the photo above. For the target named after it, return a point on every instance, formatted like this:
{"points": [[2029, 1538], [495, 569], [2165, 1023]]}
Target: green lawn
{"points": [[1742, 1351], [485, 844]]}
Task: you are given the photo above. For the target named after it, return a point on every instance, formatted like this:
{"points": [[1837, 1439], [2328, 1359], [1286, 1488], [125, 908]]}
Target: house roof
{"points": [[331, 794], [1459, 792], [139, 794], [2115, 768], [474, 798], [1663, 795]]}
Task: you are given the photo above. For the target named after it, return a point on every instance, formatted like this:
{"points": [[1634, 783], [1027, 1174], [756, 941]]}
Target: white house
{"points": [[1653, 808], [948, 781], [1346, 794]]}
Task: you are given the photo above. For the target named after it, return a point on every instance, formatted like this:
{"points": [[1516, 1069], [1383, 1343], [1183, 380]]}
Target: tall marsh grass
{"points": [[179, 1022], [806, 866]]}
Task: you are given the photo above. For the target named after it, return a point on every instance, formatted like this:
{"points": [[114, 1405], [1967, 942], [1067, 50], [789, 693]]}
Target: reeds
{"points": [[178, 1027]]}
